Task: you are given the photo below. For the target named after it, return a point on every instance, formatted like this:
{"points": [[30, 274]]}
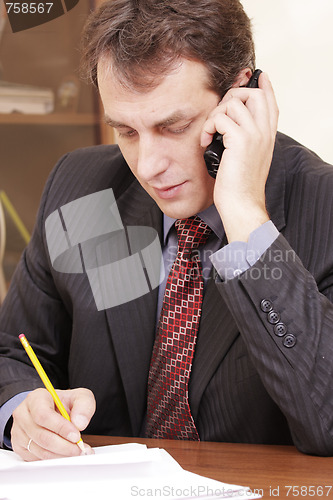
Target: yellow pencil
{"points": [[46, 382]]}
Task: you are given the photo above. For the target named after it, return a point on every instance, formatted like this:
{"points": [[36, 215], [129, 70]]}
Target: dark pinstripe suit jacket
{"points": [[251, 381]]}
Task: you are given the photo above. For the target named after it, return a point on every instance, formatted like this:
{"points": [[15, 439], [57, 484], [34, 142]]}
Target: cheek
{"points": [[130, 153], [196, 162], [189, 152]]}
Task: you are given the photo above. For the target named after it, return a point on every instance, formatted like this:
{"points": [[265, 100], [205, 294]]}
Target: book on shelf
{"points": [[27, 99]]}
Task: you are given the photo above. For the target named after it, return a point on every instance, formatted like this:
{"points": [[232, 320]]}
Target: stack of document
{"points": [[119, 472], [17, 98]]}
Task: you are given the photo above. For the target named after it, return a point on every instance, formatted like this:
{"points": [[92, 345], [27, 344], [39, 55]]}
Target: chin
{"points": [[182, 211]]}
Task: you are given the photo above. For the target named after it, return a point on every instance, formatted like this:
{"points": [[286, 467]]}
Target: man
{"points": [[171, 74]]}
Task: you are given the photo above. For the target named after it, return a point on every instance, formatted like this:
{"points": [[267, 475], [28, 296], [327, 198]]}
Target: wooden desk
{"points": [[273, 471]]}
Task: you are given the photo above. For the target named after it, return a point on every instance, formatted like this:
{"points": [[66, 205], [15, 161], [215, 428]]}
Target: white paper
{"points": [[117, 472]]}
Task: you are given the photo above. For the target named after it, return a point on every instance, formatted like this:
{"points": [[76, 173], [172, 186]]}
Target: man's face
{"points": [[159, 135]]}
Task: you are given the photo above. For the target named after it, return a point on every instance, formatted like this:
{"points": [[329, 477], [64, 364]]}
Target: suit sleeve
{"points": [[285, 317], [33, 307]]}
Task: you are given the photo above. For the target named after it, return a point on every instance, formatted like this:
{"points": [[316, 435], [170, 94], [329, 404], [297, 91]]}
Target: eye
{"points": [[127, 133], [179, 129]]}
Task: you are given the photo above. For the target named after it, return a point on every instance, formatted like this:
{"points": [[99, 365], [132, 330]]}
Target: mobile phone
{"points": [[213, 153]]}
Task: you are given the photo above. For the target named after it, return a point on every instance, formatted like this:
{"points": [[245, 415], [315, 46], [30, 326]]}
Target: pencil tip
{"points": [[81, 446]]}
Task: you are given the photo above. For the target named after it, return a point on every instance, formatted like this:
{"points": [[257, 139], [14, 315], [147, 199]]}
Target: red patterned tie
{"points": [[168, 412]]}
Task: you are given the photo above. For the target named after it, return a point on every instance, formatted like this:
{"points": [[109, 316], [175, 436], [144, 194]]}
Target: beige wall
{"points": [[294, 45]]}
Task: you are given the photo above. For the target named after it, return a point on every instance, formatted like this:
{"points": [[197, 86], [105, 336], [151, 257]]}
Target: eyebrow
{"points": [[166, 122], [113, 123]]}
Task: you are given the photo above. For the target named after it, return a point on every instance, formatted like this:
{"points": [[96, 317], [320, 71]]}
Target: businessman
{"points": [[236, 343]]}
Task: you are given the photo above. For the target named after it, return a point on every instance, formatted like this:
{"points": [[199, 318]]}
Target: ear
{"points": [[243, 78]]}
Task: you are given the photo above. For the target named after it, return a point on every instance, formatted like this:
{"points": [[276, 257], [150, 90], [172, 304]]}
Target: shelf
{"points": [[49, 119]]}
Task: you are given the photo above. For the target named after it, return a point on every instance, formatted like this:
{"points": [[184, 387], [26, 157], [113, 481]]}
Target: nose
{"points": [[152, 158]]}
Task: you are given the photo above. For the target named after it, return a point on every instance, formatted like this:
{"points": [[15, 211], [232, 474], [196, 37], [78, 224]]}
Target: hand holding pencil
{"points": [[42, 427]]}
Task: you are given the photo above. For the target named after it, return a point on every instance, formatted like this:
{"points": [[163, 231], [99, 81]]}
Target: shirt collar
{"points": [[210, 216]]}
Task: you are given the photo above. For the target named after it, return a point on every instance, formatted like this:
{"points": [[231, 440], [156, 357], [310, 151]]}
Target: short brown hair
{"points": [[144, 38]]}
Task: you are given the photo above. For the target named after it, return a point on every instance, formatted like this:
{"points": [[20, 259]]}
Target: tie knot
{"points": [[191, 232]]}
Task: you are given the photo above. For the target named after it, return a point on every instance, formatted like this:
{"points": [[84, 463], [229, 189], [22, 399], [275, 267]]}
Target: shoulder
{"points": [[91, 167], [299, 182], [298, 159], [307, 200], [299, 173], [86, 171]]}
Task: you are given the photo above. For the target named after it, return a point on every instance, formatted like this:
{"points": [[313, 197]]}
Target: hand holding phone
{"points": [[248, 122], [214, 151]]}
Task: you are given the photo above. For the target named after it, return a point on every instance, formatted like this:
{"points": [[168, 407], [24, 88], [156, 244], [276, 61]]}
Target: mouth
{"points": [[169, 191]]}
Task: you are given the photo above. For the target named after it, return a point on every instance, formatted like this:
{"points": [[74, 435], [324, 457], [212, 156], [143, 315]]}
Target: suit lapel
{"points": [[276, 186], [132, 324], [218, 329], [217, 333]]}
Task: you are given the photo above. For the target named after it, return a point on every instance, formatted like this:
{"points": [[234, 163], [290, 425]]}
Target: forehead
{"points": [[144, 81], [185, 86]]}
